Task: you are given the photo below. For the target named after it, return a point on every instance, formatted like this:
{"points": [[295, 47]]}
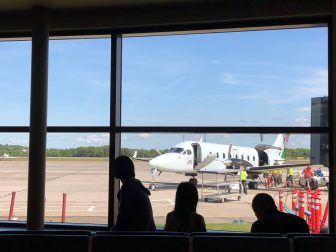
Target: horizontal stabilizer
{"points": [[263, 147]]}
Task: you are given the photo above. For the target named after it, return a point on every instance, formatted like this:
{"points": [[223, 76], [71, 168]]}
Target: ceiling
{"points": [[17, 5]]}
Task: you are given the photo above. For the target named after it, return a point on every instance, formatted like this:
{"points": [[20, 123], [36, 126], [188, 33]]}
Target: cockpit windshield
{"points": [[176, 150]]}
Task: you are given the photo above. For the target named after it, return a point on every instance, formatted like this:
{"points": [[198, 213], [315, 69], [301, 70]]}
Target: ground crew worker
{"points": [[308, 174], [243, 177], [290, 177], [280, 177], [275, 177]]}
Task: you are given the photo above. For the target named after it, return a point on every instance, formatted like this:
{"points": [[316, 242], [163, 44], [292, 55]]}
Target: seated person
{"points": [[184, 217], [135, 209], [270, 220]]}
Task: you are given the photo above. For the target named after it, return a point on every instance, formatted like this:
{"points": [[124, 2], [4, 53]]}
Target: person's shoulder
{"points": [[170, 215], [255, 226]]}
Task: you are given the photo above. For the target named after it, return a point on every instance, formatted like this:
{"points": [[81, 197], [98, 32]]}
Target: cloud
{"points": [[97, 139], [145, 135], [316, 84], [303, 109], [174, 82], [228, 78], [299, 141], [18, 141], [302, 122]]}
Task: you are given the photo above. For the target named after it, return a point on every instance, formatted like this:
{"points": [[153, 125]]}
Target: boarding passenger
{"points": [[308, 174], [135, 209], [270, 220], [184, 217]]}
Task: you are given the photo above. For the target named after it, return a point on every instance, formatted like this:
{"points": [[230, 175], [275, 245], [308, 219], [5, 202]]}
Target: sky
{"points": [[256, 78]]}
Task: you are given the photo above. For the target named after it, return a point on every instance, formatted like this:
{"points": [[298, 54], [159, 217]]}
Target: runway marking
{"points": [[91, 208]]}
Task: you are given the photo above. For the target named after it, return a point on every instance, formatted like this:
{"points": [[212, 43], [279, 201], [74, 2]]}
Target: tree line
{"points": [[103, 151]]}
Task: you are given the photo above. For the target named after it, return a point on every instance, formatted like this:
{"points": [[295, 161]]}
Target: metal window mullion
{"points": [[115, 121], [231, 130], [38, 120], [332, 116]]}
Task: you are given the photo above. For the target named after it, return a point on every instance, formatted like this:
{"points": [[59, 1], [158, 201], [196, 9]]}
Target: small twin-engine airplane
{"points": [[192, 157], [6, 157]]}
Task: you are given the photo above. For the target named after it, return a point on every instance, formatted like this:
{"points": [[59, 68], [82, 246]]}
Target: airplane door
{"points": [[197, 154]]}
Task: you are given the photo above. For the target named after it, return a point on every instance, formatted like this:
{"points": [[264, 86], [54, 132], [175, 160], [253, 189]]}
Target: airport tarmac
{"points": [[85, 183]]}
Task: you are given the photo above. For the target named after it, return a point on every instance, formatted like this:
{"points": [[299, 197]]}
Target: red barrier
{"points": [[301, 204], [317, 213], [294, 200], [63, 207], [313, 213], [281, 205], [309, 207], [325, 215], [11, 209], [269, 181]]}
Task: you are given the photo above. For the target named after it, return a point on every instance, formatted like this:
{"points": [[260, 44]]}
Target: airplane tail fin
{"points": [[281, 142]]}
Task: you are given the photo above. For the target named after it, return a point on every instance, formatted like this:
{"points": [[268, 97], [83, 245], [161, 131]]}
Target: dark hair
{"points": [[263, 201], [124, 167], [186, 199]]}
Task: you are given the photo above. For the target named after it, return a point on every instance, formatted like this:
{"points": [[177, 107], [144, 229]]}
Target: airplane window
{"points": [[236, 156], [189, 152], [248, 158], [223, 155], [230, 156], [184, 152], [217, 155], [242, 156], [176, 150], [253, 158]]}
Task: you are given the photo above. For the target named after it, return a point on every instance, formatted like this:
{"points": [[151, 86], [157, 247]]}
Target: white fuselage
{"points": [[190, 157]]}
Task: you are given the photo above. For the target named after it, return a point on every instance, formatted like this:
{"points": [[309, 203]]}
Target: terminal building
{"points": [[43, 23]]}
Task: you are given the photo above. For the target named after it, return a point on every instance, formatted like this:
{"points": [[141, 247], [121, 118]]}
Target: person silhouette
{"points": [[135, 209], [184, 217], [270, 220]]}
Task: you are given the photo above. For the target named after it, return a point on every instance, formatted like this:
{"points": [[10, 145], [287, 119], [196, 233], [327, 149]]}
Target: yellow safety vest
{"points": [[243, 175], [291, 172]]}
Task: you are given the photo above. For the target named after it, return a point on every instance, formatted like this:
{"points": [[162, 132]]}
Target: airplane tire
{"points": [[313, 184], [252, 185], [152, 186]]}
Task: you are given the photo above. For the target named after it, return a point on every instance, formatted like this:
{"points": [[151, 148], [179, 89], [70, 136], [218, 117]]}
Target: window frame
{"points": [[115, 129]]}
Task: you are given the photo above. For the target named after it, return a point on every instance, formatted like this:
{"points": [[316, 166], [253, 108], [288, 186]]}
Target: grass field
{"points": [[224, 226]]}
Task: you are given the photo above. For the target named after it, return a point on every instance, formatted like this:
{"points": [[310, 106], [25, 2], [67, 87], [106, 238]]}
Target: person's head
{"points": [[308, 167], [262, 204], [186, 198], [124, 168]]}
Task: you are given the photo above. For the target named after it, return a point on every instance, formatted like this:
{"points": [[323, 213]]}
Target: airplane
{"points": [[193, 157], [6, 156]]}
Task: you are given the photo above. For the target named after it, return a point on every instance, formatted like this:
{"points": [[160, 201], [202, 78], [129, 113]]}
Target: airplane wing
{"points": [[141, 159], [259, 169]]}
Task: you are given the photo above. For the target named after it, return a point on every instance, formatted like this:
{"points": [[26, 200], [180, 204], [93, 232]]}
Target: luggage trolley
{"points": [[218, 190]]}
